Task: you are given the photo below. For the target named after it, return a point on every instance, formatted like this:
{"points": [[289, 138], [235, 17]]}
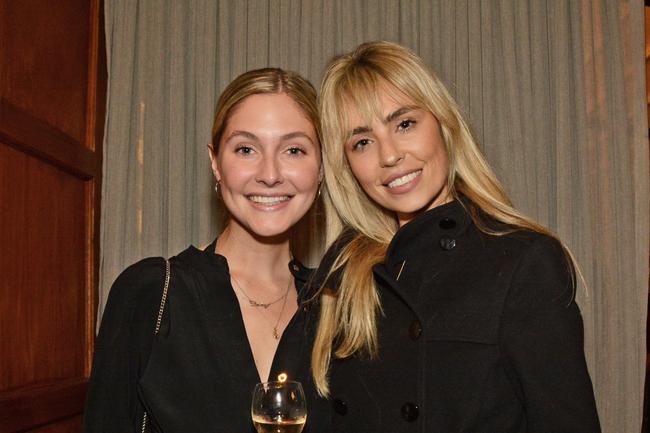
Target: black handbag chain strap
{"points": [[163, 300]]}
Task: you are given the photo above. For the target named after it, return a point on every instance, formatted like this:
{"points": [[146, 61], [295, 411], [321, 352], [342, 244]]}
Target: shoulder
{"points": [[543, 272], [138, 281], [515, 241], [535, 270], [533, 266], [133, 299], [136, 293], [528, 247], [527, 242]]}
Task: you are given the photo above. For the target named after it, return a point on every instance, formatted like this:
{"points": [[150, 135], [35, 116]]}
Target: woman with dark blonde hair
{"points": [[443, 309], [230, 317]]}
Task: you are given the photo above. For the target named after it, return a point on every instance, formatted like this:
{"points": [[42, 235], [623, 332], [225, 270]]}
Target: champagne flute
{"points": [[279, 407]]}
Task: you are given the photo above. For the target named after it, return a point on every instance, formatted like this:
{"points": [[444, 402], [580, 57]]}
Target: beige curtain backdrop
{"points": [[554, 90]]}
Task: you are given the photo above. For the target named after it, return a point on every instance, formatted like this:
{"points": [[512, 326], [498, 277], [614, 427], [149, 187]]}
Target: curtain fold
{"points": [[554, 90]]}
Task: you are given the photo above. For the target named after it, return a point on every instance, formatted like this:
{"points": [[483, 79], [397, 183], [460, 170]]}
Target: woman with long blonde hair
{"points": [[443, 308]]}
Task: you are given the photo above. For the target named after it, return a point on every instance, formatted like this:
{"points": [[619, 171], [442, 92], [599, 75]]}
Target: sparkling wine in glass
{"points": [[279, 407]]}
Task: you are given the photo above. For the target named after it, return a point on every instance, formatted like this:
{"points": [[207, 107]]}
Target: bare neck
{"points": [[252, 256]]}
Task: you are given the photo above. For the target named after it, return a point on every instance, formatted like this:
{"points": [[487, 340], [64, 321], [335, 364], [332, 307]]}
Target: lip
{"points": [[405, 188], [407, 185], [269, 202]]}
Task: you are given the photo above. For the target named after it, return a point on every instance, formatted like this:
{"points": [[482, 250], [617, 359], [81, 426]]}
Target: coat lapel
{"points": [[432, 241]]}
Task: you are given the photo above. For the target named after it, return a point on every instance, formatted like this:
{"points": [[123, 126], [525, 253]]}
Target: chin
{"points": [[407, 208], [415, 205], [269, 230]]}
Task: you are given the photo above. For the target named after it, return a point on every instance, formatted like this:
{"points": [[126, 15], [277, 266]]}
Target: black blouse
{"points": [[198, 373]]}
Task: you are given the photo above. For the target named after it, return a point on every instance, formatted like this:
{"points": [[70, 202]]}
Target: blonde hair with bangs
{"points": [[353, 82]]}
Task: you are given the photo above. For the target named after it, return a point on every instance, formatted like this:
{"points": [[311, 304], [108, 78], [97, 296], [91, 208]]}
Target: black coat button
{"points": [[447, 243], [410, 412], [447, 223], [340, 406], [415, 329]]}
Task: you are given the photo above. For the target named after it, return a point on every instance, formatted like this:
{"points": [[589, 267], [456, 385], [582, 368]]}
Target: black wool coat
{"points": [[478, 334]]}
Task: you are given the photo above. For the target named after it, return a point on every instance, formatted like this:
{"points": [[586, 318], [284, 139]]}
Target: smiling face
{"points": [[399, 159], [267, 164]]}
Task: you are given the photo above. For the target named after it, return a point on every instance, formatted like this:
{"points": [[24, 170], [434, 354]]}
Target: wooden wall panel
{"points": [[52, 96], [42, 404], [35, 36], [43, 284]]}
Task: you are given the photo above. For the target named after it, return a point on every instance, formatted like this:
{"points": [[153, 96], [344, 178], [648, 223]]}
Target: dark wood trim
{"points": [[96, 88], [95, 119], [34, 136], [33, 406], [93, 197]]}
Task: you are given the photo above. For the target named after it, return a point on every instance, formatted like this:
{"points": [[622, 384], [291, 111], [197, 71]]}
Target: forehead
{"points": [[273, 102], [277, 109], [364, 107]]}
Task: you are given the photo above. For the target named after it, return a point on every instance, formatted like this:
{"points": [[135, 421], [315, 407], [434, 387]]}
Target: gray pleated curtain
{"points": [[554, 90]]}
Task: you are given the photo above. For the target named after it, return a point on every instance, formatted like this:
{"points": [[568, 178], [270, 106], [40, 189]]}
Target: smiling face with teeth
{"points": [[267, 165], [399, 157]]}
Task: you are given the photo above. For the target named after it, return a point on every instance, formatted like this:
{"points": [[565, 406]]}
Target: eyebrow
{"points": [[251, 136], [244, 134], [297, 134], [389, 118], [397, 113]]}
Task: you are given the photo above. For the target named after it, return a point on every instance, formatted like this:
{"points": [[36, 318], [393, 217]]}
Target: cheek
{"points": [[361, 170], [235, 176], [305, 176], [230, 176], [434, 154], [356, 164], [441, 160]]}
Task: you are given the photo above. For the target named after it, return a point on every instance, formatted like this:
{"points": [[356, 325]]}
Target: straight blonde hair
{"points": [[306, 242], [353, 82]]}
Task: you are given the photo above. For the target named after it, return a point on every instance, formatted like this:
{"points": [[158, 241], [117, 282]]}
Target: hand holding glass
{"points": [[279, 407]]}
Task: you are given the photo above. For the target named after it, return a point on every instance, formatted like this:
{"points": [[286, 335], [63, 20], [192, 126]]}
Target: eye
{"points": [[360, 145], [405, 125], [244, 150], [295, 150]]}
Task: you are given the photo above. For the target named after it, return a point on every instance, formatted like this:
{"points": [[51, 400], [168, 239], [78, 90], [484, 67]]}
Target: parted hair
{"points": [[305, 242], [353, 81], [264, 81]]}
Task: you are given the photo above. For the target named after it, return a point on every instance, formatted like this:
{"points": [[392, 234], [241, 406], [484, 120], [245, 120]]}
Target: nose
{"points": [[270, 172], [389, 154]]}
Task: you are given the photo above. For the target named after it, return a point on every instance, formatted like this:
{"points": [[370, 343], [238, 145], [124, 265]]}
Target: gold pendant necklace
{"points": [[255, 304], [276, 335]]}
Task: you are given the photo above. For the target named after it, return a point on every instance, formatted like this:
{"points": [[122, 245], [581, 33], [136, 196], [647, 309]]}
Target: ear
{"points": [[321, 174], [213, 162]]}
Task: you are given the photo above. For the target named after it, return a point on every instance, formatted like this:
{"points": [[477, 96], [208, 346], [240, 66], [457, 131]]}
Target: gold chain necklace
{"points": [[256, 304], [276, 334]]}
